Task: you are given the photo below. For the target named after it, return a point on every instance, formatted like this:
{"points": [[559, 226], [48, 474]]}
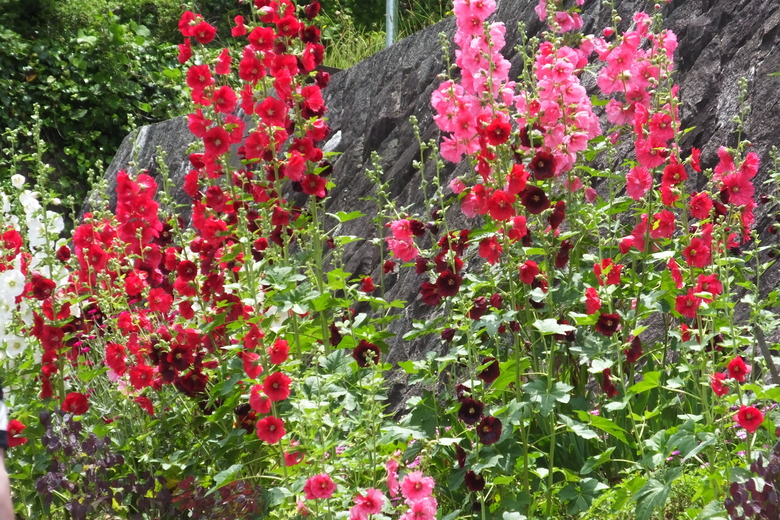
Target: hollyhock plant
{"points": [[270, 429], [416, 486], [319, 486], [738, 369]]}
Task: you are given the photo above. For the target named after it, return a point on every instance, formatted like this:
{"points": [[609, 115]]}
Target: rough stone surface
{"points": [[369, 104]]}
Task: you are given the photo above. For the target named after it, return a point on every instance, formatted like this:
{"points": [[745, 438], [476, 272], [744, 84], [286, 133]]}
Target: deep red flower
{"points": [[738, 369], [251, 363], [430, 293], [674, 174], [498, 131], [277, 386], [491, 372], [470, 410], [41, 286], [489, 430], [710, 284], [204, 32], [592, 300], [717, 383], [687, 304], [490, 249], [528, 272], [160, 301], [141, 376], [543, 165], [534, 199], [500, 205], [698, 253], [278, 352], [750, 418], [607, 272], [448, 283], [474, 481], [314, 185], [607, 386], [700, 205], [365, 353], [199, 77], [608, 324], [558, 214], [145, 403], [15, 427], [270, 429], [75, 403], [634, 352], [259, 401]]}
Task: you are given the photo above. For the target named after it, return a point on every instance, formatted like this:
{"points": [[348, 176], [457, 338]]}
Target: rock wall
{"points": [[369, 105]]}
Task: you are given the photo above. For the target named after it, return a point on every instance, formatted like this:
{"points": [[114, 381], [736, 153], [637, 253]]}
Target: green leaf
{"points": [[651, 380], [225, 477], [604, 424], [551, 326], [578, 428], [546, 399], [343, 216], [598, 366], [597, 460], [652, 495]]}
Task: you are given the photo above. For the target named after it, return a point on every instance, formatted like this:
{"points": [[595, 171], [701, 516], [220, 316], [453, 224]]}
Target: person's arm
{"points": [[6, 505]]}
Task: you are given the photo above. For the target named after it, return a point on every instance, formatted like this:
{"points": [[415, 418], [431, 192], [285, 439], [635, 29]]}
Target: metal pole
{"points": [[391, 17]]}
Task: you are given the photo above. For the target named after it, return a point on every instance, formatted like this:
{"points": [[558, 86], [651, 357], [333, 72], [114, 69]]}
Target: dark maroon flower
{"points": [[474, 481], [558, 214], [562, 258], [489, 430], [543, 165], [460, 455], [608, 324], [448, 283], [430, 294], [569, 336], [479, 308], [531, 136], [448, 334], [606, 384], [534, 199], [634, 352], [462, 391], [470, 410], [365, 353], [491, 372]]}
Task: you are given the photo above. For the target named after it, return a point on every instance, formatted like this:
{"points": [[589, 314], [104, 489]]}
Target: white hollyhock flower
{"points": [[36, 236], [11, 285], [29, 200], [14, 345], [17, 181], [5, 204]]}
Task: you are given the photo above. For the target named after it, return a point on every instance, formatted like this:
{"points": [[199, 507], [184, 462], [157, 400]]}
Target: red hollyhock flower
{"points": [[278, 352], [216, 142], [199, 77], [687, 304], [517, 179], [717, 383], [738, 369], [528, 272], [607, 272], [145, 403], [700, 205], [293, 458], [204, 32], [490, 249], [251, 362], [750, 418], [367, 285], [498, 131], [225, 100], [607, 386], [314, 185], [270, 429], [261, 39], [709, 284], [141, 376], [160, 301], [698, 253], [75, 403], [259, 401], [365, 353], [558, 214], [500, 205], [185, 51], [663, 224], [695, 159], [592, 300], [674, 174], [674, 269], [543, 165], [115, 358], [41, 286], [608, 324], [534, 199], [430, 294], [489, 430], [738, 189], [277, 386], [14, 429]]}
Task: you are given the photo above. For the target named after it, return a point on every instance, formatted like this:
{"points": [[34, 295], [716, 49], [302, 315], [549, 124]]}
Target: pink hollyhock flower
{"points": [[393, 487], [738, 188], [416, 486], [424, 509], [638, 182], [319, 486], [750, 418], [404, 250], [700, 205], [401, 229], [371, 503], [738, 369]]}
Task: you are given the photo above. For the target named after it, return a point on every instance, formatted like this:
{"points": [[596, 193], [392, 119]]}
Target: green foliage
{"points": [[94, 68]]}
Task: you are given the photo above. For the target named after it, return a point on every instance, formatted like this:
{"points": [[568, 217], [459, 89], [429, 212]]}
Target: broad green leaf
{"points": [[597, 460], [538, 393], [578, 428], [604, 424], [225, 477], [651, 380], [652, 496], [343, 216]]}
